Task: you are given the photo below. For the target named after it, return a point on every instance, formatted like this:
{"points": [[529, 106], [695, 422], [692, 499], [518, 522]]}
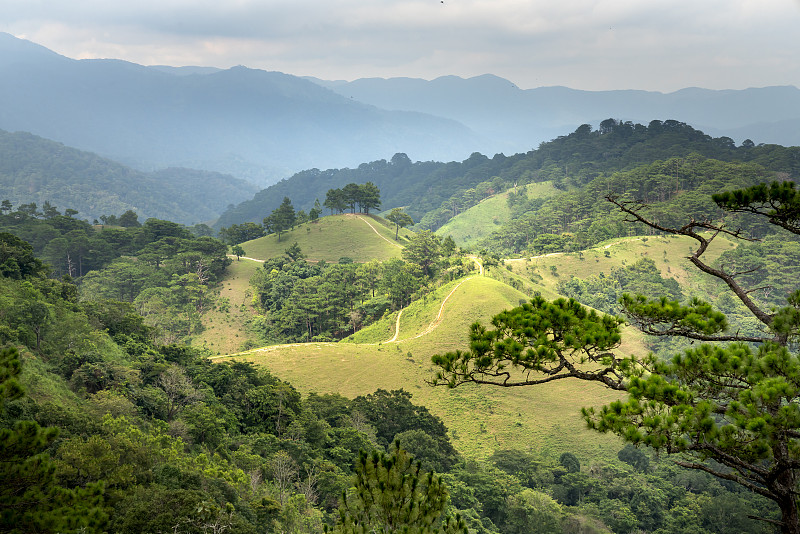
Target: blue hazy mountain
{"points": [[33, 169], [256, 125], [517, 120]]}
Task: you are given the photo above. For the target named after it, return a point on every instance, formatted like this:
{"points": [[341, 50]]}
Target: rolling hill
{"points": [[469, 227], [395, 352], [358, 237], [480, 419]]}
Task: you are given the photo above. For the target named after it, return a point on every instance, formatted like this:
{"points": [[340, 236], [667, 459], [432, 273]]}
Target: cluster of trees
{"points": [[281, 219], [679, 189], [363, 197], [300, 301], [603, 292], [161, 267], [73, 247], [351, 197], [126, 220], [170, 277]]}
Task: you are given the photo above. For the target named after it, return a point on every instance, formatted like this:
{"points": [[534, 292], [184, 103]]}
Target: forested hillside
{"points": [[36, 170], [115, 417], [432, 193]]}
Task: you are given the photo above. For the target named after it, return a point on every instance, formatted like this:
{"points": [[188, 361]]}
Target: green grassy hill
{"points": [[669, 254], [225, 326], [481, 220], [481, 419], [359, 237]]}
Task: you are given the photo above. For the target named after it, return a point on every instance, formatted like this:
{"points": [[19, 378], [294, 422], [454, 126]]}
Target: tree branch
{"points": [[729, 476], [689, 231]]}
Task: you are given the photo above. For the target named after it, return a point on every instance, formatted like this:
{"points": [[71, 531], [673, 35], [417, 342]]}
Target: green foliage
{"points": [[675, 190], [237, 251], [30, 498], [570, 462], [16, 258], [392, 493], [400, 219], [424, 251], [239, 233], [779, 202], [367, 196], [604, 292], [635, 458], [532, 512], [294, 253], [729, 410], [392, 414], [554, 340], [282, 218]]}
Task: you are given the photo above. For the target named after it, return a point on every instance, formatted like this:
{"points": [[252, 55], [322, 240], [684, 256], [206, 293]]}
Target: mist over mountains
{"points": [[264, 126], [257, 125], [33, 169], [511, 119]]}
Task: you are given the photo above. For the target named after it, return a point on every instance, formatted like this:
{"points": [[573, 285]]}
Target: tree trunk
{"points": [[791, 524]]}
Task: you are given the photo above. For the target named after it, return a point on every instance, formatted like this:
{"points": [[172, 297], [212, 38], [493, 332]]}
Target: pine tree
{"points": [[392, 494], [30, 499]]}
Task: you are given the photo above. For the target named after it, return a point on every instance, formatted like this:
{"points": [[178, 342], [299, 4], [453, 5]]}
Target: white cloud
{"points": [[588, 44]]}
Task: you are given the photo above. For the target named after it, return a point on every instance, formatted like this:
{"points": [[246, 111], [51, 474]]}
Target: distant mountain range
{"points": [[37, 170], [257, 125], [264, 126], [510, 119]]}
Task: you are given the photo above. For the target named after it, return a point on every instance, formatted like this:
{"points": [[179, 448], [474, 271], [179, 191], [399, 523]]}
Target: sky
{"points": [[654, 45]]}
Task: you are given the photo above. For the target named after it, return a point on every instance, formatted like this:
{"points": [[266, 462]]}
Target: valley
{"points": [[269, 361]]}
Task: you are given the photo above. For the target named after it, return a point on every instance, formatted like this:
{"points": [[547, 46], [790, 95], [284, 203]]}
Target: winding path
{"points": [[245, 258], [431, 327], [379, 234], [435, 323]]}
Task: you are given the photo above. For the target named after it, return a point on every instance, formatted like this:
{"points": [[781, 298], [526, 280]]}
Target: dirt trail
{"points": [[246, 258], [431, 327], [377, 232]]}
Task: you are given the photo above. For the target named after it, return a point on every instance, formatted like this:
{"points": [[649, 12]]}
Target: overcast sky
{"points": [[585, 44]]}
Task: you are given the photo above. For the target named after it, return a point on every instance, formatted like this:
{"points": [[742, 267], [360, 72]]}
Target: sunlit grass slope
{"points": [[360, 237], [225, 330], [669, 254], [482, 419], [545, 419], [479, 221]]}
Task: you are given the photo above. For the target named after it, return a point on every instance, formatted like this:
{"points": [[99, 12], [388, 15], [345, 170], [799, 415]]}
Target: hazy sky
{"points": [[585, 44]]}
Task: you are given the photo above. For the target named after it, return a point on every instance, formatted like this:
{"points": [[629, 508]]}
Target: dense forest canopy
{"points": [[433, 192]]}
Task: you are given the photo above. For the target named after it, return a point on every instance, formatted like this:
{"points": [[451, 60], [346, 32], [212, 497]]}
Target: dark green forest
{"points": [[433, 192]]}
